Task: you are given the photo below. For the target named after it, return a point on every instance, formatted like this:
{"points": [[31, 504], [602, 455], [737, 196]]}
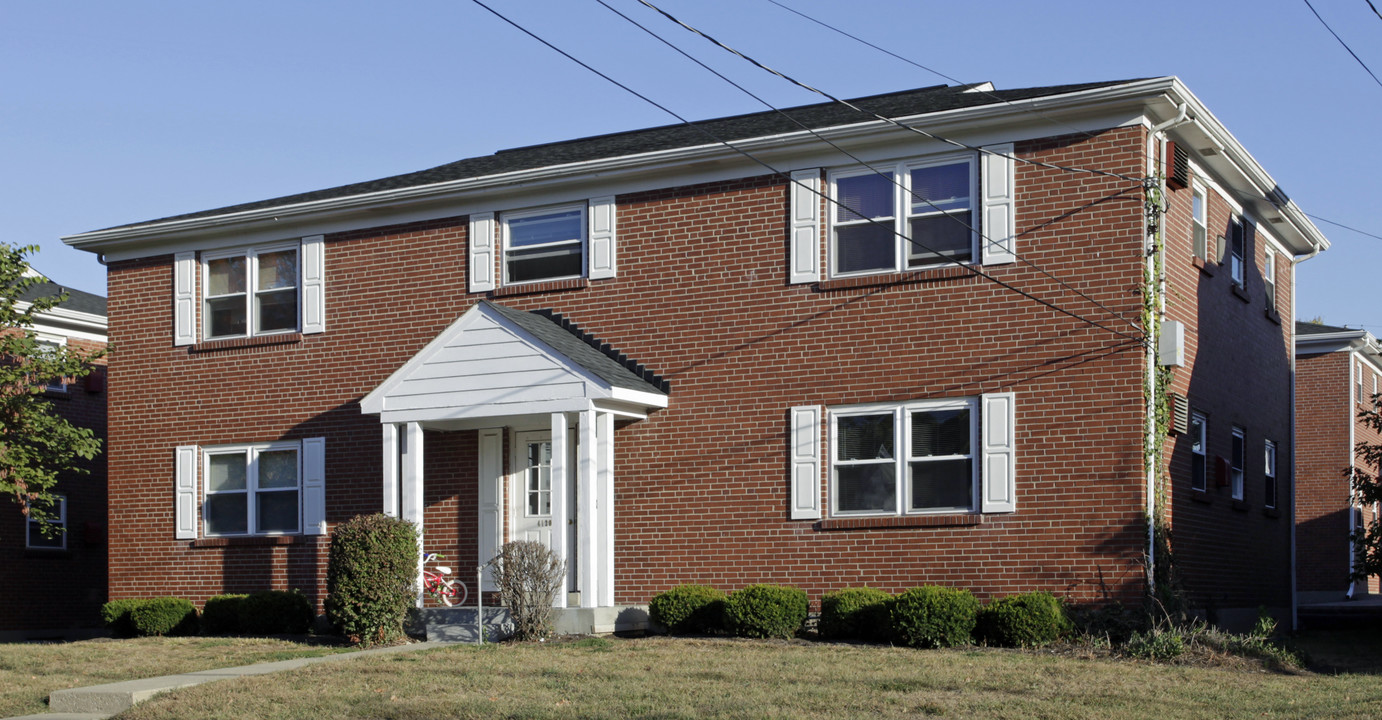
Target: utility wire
{"points": [[779, 173], [1374, 9], [876, 116], [1335, 224], [884, 174], [1341, 41]]}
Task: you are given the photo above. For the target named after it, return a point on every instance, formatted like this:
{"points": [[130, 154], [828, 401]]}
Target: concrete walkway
{"points": [[101, 701]]}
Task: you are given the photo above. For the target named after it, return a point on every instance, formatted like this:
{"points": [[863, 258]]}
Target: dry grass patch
{"points": [[686, 678], [30, 671]]}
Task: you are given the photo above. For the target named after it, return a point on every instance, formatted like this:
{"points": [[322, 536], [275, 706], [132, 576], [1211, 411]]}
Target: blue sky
{"points": [[112, 113]]}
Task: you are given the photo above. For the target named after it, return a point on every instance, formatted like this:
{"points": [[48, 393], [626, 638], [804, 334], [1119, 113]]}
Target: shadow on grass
{"points": [[1341, 650]]}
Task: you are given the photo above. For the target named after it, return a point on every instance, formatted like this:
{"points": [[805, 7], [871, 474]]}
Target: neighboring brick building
{"points": [[757, 364], [1338, 371], [53, 587]]}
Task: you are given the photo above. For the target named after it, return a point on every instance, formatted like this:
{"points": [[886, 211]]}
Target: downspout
{"points": [[1355, 367], [1295, 604], [1156, 257]]}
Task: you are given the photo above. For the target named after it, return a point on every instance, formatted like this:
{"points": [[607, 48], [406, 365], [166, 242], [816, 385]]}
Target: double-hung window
{"points": [[250, 292], [1269, 276], [909, 215], [1237, 250], [546, 244], [1236, 463], [54, 535], [253, 489], [1199, 456], [1269, 476], [50, 349], [1198, 223], [906, 459]]}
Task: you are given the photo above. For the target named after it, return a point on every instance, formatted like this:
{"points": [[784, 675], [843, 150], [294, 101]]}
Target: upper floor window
{"points": [[1198, 222], [1269, 476], [1199, 454], [54, 535], [252, 490], [51, 348], [928, 446], [1236, 463], [1237, 250], [1269, 275], [250, 292], [913, 215], [547, 244]]}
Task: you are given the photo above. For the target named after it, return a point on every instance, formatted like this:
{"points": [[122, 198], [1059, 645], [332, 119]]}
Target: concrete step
{"points": [[457, 624]]}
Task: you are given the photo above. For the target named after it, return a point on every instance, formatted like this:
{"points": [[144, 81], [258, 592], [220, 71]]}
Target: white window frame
{"points": [[1238, 249], [1269, 482], [902, 447], [1199, 221], [1199, 459], [505, 246], [1358, 380], [45, 341], [60, 520], [900, 177], [1269, 275], [251, 255], [1238, 453], [251, 451]]}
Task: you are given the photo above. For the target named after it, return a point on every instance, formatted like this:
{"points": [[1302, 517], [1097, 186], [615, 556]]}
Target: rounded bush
{"points": [[766, 611], [164, 616], [933, 616], [371, 576], [1026, 620], [221, 614], [276, 612], [855, 614], [116, 616], [689, 609]]}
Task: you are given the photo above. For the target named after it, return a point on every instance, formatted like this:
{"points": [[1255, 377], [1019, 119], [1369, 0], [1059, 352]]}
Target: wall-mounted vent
{"points": [[1180, 414], [1171, 344], [1177, 166]]}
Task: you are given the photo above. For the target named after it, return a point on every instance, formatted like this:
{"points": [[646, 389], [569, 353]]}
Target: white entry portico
{"points": [[528, 379]]}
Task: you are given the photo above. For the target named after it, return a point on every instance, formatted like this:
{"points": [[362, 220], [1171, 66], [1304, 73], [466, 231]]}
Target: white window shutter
{"points": [[185, 298], [185, 490], [805, 438], [481, 252], [805, 242], [313, 284], [999, 230], [491, 505], [314, 486], [998, 418], [602, 237]]}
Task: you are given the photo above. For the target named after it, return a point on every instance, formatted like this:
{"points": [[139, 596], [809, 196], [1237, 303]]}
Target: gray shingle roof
{"points": [[1310, 328], [77, 300], [739, 127], [581, 348]]}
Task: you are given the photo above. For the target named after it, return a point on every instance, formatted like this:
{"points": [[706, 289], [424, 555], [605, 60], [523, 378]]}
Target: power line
{"points": [[781, 174], [1336, 224], [1341, 41], [887, 175], [877, 116], [1374, 9]]}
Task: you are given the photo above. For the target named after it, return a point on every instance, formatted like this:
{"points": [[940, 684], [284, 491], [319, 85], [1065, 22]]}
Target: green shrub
{"points": [[164, 616], [221, 614], [766, 611], [1026, 620], [689, 609], [276, 612], [855, 613], [1156, 644], [371, 576], [116, 616], [933, 616]]}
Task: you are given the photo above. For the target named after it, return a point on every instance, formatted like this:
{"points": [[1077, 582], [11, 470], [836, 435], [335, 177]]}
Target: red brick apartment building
{"points": [[53, 587], [1337, 374], [913, 344]]}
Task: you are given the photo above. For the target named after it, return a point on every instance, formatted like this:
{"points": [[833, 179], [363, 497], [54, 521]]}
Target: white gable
{"points": [[484, 365]]}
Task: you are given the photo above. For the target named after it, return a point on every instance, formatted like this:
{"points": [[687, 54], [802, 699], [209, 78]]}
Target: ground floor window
{"points": [[252, 490], [1199, 460], [903, 459]]}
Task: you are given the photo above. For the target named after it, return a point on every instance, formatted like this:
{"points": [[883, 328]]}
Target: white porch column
{"points": [[390, 465], [604, 491], [560, 461], [588, 511], [410, 490]]}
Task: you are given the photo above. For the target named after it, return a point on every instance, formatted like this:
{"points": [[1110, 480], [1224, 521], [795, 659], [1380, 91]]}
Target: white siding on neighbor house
{"points": [[484, 365]]}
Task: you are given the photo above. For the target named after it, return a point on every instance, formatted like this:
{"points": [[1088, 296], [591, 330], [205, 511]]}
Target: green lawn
{"points": [[689, 678], [30, 671]]}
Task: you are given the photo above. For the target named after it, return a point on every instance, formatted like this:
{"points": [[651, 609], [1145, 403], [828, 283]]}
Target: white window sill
{"points": [[902, 521], [246, 342]]}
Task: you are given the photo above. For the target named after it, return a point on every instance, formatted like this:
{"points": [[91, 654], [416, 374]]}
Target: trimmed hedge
{"points": [[933, 616], [221, 614], [855, 614], [164, 616], [766, 611], [1027, 620], [689, 609], [276, 612], [371, 576]]}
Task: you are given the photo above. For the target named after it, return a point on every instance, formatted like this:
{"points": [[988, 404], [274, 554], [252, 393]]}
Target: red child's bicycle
{"points": [[439, 584]]}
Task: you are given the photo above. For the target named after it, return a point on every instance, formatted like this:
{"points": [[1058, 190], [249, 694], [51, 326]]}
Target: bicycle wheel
{"points": [[456, 593]]}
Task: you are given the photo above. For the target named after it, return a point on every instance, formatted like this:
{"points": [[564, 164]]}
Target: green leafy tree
{"points": [[36, 445], [1367, 488]]}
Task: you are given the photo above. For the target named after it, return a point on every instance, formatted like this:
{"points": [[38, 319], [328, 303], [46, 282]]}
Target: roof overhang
{"points": [[1359, 341]]}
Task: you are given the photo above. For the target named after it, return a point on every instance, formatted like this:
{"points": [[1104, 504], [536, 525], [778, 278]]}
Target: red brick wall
{"points": [[45, 591], [701, 298]]}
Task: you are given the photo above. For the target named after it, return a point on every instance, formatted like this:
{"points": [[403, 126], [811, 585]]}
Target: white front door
{"points": [[531, 491]]}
